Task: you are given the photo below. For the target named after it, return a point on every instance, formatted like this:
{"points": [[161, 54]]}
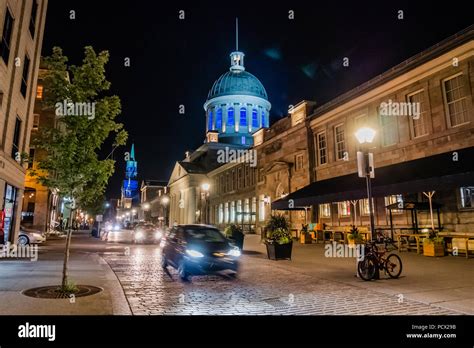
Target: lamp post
{"points": [[146, 209], [205, 193], [365, 136]]}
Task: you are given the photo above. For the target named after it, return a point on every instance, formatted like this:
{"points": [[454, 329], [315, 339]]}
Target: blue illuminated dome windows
{"points": [[209, 122], [243, 117], [230, 117], [254, 119], [219, 119]]}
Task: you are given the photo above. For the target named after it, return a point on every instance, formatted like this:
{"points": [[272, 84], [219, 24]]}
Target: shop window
{"points": [[325, 210], [467, 197]]}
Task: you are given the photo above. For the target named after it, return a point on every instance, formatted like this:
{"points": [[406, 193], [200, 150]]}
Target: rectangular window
{"points": [[24, 76], [247, 176], [16, 139], [6, 36], [36, 121], [322, 148], [232, 212], [261, 208], [247, 210], [344, 208], [221, 213], [239, 211], [31, 157], [364, 206], [299, 162], [240, 177], [340, 143], [325, 210], [395, 199], [226, 212], [389, 125], [467, 197], [455, 99], [39, 92], [254, 209], [418, 122], [34, 11]]}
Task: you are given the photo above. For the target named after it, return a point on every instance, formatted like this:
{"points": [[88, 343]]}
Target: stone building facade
{"points": [[441, 80], [21, 29]]}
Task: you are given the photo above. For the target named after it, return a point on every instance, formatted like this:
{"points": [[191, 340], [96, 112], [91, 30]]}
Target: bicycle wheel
{"points": [[366, 268], [393, 265]]}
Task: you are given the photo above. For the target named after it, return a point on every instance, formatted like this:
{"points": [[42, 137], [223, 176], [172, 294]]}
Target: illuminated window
{"points": [[221, 213], [325, 210], [39, 92], [226, 212], [230, 117], [261, 208], [254, 119], [340, 142], [364, 206], [219, 119], [467, 197], [418, 123], [455, 99], [246, 210], [395, 199], [239, 211], [243, 116], [322, 148], [209, 125], [344, 208], [254, 208], [232, 212]]}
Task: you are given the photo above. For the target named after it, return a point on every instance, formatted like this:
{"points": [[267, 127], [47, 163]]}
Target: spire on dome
{"points": [[132, 153], [237, 57]]}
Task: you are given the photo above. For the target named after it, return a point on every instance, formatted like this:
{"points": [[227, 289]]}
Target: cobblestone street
{"points": [[264, 287]]}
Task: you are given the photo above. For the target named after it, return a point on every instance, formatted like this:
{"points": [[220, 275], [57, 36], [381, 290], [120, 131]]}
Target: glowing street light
{"points": [[365, 135]]}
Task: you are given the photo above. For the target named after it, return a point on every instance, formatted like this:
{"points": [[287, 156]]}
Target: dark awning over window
{"points": [[440, 172]]}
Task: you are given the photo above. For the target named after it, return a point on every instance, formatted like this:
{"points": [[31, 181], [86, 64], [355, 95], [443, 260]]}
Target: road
{"points": [[263, 287]]}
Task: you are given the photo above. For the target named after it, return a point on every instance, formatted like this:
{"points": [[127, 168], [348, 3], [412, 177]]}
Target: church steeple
{"points": [[237, 57]]}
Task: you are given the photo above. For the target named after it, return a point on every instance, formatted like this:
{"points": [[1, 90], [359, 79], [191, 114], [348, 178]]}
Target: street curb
{"points": [[120, 304]]}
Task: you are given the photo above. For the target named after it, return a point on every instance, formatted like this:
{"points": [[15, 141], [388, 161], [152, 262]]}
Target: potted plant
{"points": [[235, 234], [305, 235], [433, 245], [279, 241], [354, 237]]}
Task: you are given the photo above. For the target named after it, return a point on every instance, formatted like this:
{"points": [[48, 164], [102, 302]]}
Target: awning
{"points": [[440, 172]]}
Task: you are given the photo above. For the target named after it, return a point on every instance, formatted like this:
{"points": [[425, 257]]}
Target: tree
{"points": [[72, 165]]}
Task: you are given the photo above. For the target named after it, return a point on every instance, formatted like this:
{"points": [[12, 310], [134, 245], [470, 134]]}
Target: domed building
{"points": [[237, 104]]}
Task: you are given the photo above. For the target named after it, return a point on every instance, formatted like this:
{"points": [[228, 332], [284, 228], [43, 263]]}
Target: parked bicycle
{"points": [[375, 260]]}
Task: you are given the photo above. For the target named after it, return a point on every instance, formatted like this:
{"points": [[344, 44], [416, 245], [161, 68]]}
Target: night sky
{"points": [[176, 61]]}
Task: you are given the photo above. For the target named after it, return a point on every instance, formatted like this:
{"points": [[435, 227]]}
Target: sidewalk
{"points": [[84, 268], [446, 281]]}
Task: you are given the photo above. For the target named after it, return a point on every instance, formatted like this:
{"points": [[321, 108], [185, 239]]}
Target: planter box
{"points": [[279, 251], [432, 249]]}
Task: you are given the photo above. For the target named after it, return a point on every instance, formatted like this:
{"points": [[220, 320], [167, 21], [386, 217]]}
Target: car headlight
{"points": [[116, 227], [158, 234], [194, 253], [139, 235], [234, 252]]}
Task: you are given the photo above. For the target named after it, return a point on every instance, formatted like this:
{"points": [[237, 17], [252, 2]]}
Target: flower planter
{"points": [[433, 249], [279, 251]]}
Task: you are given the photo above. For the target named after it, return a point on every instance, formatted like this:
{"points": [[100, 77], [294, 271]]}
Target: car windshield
{"points": [[205, 234]]}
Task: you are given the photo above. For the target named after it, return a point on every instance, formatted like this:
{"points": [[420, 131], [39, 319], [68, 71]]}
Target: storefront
{"points": [[8, 213]]}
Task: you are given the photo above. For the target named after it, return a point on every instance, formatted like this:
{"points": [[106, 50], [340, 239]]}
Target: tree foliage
{"points": [[72, 164]]}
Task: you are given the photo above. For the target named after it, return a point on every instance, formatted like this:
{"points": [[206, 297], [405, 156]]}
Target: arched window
{"points": [[209, 121], [219, 119], [230, 117], [264, 119], [243, 117], [254, 118]]}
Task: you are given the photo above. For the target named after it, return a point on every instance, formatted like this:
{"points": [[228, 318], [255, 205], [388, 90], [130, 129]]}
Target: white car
{"points": [[29, 236]]}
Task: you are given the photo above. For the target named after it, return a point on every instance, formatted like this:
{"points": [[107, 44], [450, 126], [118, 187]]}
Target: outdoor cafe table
{"points": [[457, 235], [418, 238]]}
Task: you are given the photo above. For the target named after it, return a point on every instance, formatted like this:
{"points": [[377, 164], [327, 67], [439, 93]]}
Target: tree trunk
{"points": [[66, 253]]}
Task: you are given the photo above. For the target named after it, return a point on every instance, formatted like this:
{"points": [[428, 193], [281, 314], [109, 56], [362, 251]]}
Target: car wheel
{"points": [[164, 262], [23, 240], [183, 274]]}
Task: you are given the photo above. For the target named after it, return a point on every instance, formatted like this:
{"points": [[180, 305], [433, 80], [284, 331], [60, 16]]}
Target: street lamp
{"points": [[205, 193], [365, 136]]}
